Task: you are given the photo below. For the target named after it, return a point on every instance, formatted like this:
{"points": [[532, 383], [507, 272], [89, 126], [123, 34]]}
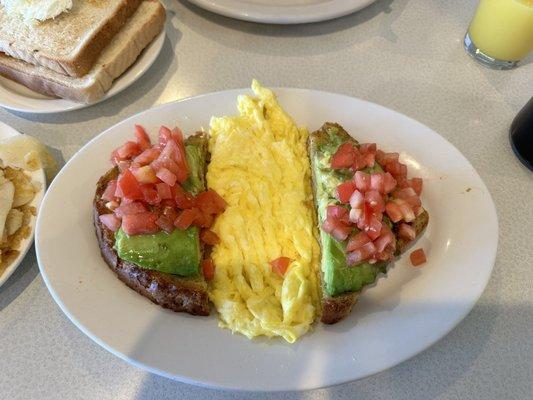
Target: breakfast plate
{"points": [[17, 97], [395, 319], [283, 11], [38, 177]]}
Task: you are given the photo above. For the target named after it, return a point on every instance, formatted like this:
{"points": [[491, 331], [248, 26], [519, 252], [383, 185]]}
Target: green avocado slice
{"points": [[179, 252], [337, 276]]}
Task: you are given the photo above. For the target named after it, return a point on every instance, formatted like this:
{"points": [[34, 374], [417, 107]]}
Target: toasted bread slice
{"points": [[337, 302], [145, 24], [181, 294], [70, 43]]}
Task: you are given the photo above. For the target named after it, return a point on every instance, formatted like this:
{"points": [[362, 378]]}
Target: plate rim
{"points": [[37, 201], [333, 382], [299, 14], [157, 43]]}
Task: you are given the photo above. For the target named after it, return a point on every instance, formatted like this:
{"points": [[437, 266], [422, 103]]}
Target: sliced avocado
{"points": [[179, 252], [338, 277], [176, 253]]}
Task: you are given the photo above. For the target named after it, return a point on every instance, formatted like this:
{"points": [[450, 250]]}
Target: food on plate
{"points": [[368, 211], [266, 275], [102, 42], [153, 216], [71, 43], [18, 156], [27, 153], [31, 11]]}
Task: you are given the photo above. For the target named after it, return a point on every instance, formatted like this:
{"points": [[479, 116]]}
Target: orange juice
{"points": [[503, 29]]}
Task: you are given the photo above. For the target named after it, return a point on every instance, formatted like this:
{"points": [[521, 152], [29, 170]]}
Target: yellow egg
{"points": [[259, 165]]}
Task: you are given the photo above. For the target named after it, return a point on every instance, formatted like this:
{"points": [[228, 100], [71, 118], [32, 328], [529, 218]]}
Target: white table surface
{"points": [[403, 54]]}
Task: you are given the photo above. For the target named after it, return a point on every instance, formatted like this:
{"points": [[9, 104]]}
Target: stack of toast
{"points": [[78, 54]]}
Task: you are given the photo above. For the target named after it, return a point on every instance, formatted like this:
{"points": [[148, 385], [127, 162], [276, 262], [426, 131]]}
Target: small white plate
{"points": [[39, 178], [17, 97], [283, 11], [394, 320]]}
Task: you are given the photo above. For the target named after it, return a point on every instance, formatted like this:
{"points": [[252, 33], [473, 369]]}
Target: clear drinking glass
{"points": [[501, 33]]}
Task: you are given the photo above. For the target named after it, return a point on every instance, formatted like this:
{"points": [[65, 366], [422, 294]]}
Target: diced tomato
{"points": [[389, 157], [338, 213], [165, 223], [204, 220], [151, 196], [143, 140], [356, 241], [147, 156], [353, 258], [166, 176], [377, 182], [210, 202], [164, 191], [406, 232], [368, 148], [144, 174], [183, 198], [343, 157], [375, 200], [416, 184], [280, 265], [123, 166], [355, 215], [176, 153], [345, 190], [130, 208], [368, 250], [177, 135], [389, 183], [336, 228], [111, 221], [393, 211], [208, 269], [109, 192], [165, 134], [362, 181], [407, 211], [403, 169], [373, 229], [186, 218], [369, 160], [114, 158], [209, 237], [384, 240], [418, 257], [170, 212], [128, 150], [136, 224], [409, 195], [357, 199], [402, 181], [129, 186]]}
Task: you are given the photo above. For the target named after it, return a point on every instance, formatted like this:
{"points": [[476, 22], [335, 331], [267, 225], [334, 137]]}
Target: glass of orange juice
{"points": [[501, 33]]}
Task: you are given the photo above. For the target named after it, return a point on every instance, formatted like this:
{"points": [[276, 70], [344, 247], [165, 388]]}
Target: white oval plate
{"points": [[283, 11], [394, 320], [39, 178], [17, 97]]}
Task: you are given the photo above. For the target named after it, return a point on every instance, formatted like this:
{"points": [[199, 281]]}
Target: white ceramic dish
{"points": [[283, 11], [39, 178], [16, 97], [397, 318]]}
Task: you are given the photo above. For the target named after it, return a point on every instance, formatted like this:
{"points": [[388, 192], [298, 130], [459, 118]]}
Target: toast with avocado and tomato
{"points": [[152, 216], [369, 212]]}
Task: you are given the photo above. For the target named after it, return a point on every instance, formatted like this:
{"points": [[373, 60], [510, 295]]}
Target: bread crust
{"points": [[52, 84], [169, 291], [84, 57]]}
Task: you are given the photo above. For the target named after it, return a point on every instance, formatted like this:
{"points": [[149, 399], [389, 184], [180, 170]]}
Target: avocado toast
{"points": [[349, 226], [163, 265]]}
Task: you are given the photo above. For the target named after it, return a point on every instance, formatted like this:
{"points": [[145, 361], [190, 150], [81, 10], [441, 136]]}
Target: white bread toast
{"points": [[145, 24], [70, 43]]}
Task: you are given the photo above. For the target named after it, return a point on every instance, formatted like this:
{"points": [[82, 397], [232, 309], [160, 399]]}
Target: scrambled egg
{"points": [[259, 165]]}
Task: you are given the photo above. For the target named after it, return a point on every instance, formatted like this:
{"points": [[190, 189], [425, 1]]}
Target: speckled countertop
{"points": [[403, 54]]}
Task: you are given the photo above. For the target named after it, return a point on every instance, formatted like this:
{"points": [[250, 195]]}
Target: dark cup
{"points": [[521, 135]]}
